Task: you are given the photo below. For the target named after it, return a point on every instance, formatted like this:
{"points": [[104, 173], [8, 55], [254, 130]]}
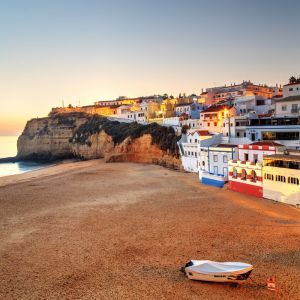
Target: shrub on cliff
{"points": [[164, 137]]}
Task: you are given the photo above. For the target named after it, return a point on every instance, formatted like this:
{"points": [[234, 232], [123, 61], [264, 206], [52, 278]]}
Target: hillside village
{"points": [[244, 135]]}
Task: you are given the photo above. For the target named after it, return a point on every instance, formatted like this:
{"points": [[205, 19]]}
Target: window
{"points": [[253, 176], [293, 180], [284, 107], [225, 158], [238, 134], [280, 178], [269, 176], [246, 155], [215, 123], [208, 124], [215, 158], [203, 163], [290, 89], [284, 136], [243, 174], [255, 157], [234, 173], [294, 108], [195, 140]]}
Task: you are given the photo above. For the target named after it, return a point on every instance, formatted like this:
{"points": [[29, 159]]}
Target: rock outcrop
{"points": [[47, 139], [85, 136]]}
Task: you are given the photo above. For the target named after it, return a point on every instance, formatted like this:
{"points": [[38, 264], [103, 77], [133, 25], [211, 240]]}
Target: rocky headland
{"points": [[86, 136]]}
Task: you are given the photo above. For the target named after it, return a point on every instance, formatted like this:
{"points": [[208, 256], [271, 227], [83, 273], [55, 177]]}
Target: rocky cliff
{"points": [[84, 136]]}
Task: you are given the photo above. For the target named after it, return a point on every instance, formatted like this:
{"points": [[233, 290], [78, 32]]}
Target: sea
{"points": [[8, 148]]}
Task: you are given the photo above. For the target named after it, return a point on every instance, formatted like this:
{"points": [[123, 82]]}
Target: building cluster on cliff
{"points": [[246, 135]]}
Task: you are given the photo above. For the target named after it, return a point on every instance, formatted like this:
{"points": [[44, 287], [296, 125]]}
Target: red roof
{"points": [[265, 115], [266, 143], [292, 83], [215, 108], [201, 132]]}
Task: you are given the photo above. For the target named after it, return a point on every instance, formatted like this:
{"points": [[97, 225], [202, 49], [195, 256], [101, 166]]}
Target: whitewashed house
{"points": [[291, 89], [245, 172], [124, 113], [253, 103], [287, 107], [281, 178], [190, 144], [213, 163], [282, 130]]}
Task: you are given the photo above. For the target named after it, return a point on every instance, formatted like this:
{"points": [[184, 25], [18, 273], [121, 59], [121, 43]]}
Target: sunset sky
{"points": [[89, 50]]}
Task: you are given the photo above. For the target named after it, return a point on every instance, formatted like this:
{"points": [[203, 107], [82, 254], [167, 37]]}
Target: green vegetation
{"points": [[293, 80]]}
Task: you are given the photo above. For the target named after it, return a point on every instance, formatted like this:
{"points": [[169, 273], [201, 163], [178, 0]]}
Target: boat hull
{"points": [[206, 270], [218, 277]]}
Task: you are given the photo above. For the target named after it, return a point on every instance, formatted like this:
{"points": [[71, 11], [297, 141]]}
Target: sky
{"points": [[81, 51]]}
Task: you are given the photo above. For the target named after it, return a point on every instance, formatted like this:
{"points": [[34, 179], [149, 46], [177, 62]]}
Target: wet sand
{"points": [[91, 230]]}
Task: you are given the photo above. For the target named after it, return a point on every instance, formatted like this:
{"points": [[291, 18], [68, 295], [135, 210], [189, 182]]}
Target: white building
{"points": [[213, 163], [192, 123], [281, 178], [286, 107], [190, 144], [291, 89], [124, 113], [253, 103], [285, 131], [245, 173]]}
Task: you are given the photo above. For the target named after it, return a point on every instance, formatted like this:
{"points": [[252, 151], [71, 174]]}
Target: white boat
{"points": [[207, 270]]}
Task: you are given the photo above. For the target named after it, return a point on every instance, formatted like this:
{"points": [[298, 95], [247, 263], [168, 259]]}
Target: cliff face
{"points": [[78, 135], [142, 150], [48, 138], [97, 145]]}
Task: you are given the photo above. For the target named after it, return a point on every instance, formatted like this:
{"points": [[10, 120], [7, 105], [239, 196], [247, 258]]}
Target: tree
{"points": [[165, 96], [292, 79]]}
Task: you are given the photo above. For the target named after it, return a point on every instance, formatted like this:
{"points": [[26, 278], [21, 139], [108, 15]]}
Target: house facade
{"points": [[245, 173], [281, 178], [124, 113], [212, 117], [287, 107], [190, 144], [213, 163], [192, 109], [285, 131], [291, 89]]}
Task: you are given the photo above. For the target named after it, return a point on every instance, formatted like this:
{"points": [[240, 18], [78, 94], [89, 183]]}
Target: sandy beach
{"points": [[91, 230]]}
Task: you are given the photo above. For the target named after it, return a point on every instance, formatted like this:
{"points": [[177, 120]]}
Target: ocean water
{"points": [[8, 148]]}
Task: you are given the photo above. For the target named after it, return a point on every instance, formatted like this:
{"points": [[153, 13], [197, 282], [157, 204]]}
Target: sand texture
{"points": [[93, 230]]}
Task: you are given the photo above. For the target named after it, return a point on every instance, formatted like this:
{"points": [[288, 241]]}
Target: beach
{"points": [[94, 230]]}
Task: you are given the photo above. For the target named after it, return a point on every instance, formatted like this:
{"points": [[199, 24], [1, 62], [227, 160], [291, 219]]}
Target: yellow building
{"points": [[281, 178]]}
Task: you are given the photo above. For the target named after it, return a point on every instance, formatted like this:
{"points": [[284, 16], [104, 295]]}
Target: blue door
{"points": [[216, 170]]}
